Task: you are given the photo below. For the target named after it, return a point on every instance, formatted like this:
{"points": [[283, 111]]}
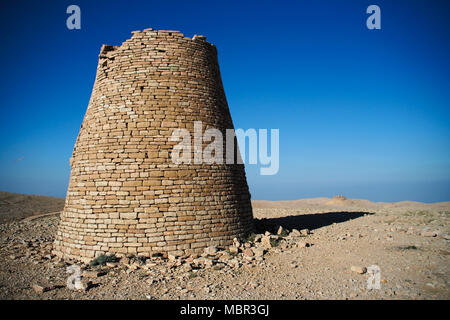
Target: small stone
{"points": [[124, 260], [295, 233], [248, 252], [224, 255], [266, 242], [219, 266], [112, 264], [259, 252], [132, 267], [86, 285], [186, 267], [445, 236], [305, 232], [93, 274], [429, 234], [234, 263], [199, 37], [150, 264], [233, 249], [303, 244], [360, 270], [210, 250], [171, 257], [280, 230], [39, 289]]}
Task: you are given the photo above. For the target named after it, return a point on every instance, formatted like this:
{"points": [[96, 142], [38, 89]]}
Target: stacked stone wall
{"points": [[125, 194]]}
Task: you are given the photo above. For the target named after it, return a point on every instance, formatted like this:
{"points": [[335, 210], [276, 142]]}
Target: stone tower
{"points": [[125, 195]]}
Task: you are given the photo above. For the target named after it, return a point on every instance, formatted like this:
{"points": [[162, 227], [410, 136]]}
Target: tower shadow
{"points": [[306, 221]]}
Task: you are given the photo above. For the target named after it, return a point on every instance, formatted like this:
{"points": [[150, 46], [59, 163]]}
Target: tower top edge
{"points": [[150, 32]]}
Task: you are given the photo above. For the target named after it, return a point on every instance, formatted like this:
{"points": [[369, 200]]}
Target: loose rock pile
{"points": [[247, 252]]}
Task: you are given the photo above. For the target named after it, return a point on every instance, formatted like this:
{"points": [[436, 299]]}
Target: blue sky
{"points": [[363, 113]]}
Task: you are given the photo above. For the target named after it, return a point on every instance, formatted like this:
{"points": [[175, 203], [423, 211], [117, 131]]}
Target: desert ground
{"points": [[323, 250]]}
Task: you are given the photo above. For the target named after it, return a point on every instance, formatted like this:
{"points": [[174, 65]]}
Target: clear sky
{"points": [[362, 113]]}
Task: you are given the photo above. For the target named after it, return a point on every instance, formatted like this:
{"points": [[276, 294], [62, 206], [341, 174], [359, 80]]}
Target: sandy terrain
{"points": [[407, 241], [15, 206]]}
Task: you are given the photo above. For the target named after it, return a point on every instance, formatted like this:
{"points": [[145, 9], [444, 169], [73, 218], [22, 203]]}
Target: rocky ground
{"points": [[320, 252]]}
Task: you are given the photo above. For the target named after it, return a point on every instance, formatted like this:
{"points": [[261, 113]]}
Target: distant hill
{"points": [[342, 202], [14, 206]]}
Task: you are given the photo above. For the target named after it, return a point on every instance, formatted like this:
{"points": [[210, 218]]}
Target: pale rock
{"points": [[429, 233], [303, 244], [233, 249], [259, 252], [39, 289], [357, 269], [112, 264], [266, 242], [93, 274], [280, 230], [305, 232], [172, 257]]}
